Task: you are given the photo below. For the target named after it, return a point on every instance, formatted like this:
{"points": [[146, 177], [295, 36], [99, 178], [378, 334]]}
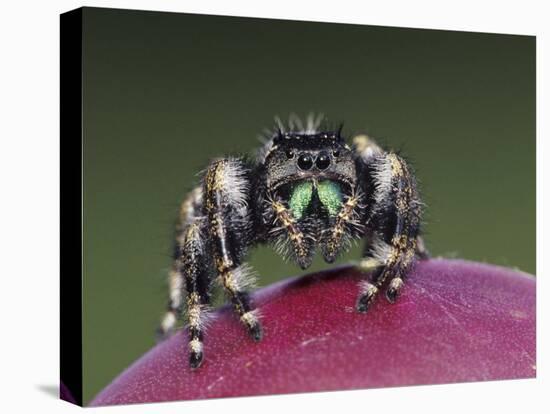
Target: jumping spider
{"points": [[306, 188]]}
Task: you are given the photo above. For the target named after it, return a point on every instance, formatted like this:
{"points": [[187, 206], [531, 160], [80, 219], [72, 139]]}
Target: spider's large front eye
{"points": [[305, 162], [323, 161], [289, 154]]}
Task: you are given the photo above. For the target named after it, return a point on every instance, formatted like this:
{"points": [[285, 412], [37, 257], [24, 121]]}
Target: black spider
{"points": [[306, 188]]}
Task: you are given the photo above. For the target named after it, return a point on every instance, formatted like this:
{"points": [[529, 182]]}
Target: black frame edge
{"points": [[71, 389]]}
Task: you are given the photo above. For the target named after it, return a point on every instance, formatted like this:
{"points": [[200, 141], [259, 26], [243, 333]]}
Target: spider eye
{"points": [[289, 154], [323, 161], [305, 162], [336, 153]]}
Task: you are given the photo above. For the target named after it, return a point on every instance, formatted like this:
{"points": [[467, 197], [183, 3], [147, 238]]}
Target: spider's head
{"points": [[309, 156]]}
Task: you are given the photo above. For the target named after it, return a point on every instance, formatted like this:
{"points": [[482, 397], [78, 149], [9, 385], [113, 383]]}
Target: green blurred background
{"points": [[166, 92]]}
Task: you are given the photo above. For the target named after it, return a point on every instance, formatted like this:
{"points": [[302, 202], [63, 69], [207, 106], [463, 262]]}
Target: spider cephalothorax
{"points": [[306, 190], [311, 181]]}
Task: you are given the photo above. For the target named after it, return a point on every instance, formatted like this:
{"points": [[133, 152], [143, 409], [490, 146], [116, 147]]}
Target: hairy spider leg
{"points": [[189, 274], [290, 236], [226, 189], [345, 226], [188, 211], [395, 221], [192, 266]]}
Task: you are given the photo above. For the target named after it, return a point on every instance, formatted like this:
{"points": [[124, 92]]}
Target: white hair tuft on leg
{"points": [[382, 178], [235, 185], [381, 251], [245, 277]]}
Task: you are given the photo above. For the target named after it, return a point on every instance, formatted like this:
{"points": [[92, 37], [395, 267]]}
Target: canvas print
{"points": [[271, 206]]}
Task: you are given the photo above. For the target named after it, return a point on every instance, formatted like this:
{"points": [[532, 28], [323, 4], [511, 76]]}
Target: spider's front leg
{"points": [[226, 189], [393, 223]]}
